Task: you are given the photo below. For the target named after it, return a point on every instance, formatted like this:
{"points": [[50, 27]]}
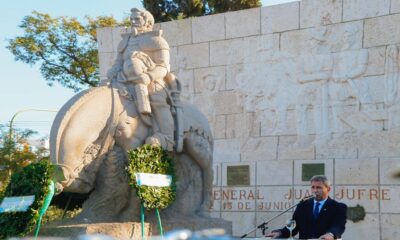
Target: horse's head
{"points": [[131, 130]]}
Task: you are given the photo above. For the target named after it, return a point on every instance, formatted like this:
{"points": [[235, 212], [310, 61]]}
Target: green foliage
{"points": [[65, 48], [31, 180], [167, 10], [221, 6], [152, 159], [54, 213], [14, 152], [3, 184]]}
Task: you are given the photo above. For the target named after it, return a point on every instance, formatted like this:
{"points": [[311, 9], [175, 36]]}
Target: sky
{"points": [[21, 85]]}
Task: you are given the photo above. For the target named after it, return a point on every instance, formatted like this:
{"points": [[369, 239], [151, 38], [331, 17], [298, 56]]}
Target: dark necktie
{"points": [[316, 210]]}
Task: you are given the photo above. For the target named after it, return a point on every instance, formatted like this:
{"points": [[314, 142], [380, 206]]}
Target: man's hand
{"points": [[274, 234], [327, 236]]}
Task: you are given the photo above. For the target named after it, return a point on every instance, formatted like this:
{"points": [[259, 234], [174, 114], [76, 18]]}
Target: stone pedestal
{"points": [[132, 230], [128, 230], [193, 224]]}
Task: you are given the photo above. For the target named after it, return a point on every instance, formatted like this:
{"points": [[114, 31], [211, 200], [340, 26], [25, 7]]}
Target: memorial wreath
{"points": [[154, 160]]}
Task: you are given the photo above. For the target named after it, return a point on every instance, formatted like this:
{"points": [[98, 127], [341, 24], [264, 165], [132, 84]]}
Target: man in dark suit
{"points": [[319, 217]]}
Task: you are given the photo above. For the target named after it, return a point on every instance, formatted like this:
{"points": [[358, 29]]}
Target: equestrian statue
{"points": [[138, 103]]}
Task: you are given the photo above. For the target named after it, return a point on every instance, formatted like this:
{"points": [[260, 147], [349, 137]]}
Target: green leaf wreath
{"points": [[34, 179], [152, 159]]}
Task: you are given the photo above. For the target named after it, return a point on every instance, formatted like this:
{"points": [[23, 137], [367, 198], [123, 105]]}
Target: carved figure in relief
{"points": [[186, 79], [210, 86], [347, 87], [314, 75], [94, 130], [317, 38], [392, 72], [331, 80], [348, 66]]}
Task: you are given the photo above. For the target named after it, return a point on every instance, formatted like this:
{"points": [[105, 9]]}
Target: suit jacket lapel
{"points": [[309, 210], [325, 207]]}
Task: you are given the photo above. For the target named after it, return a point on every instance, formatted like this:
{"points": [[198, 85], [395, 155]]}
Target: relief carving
{"points": [[348, 87], [348, 66], [329, 82], [210, 86], [317, 38], [345, 37], [314, 74], [186, 80], [392, 72]]}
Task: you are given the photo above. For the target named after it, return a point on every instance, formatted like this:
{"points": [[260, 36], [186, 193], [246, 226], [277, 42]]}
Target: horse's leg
{"points": [[200, 149], [111, 193]]}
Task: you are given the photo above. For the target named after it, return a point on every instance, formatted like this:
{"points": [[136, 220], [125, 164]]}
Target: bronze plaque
{"points": [[238, 175], [308, 170]]}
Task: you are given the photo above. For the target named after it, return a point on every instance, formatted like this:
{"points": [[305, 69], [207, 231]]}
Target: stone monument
{"points": [[137, 103], [302, 88]]}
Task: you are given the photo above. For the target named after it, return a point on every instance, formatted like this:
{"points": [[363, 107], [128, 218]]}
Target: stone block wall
{"points": [[288, 88]]}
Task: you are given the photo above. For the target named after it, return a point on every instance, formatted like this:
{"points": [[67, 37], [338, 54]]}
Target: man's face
{"points": [[137, 20], [319, 190]]}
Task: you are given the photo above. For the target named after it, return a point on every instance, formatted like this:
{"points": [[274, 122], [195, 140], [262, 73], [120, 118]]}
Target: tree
{"points": [[166, 10], [221, 6], [65, 48], [15, 152]]}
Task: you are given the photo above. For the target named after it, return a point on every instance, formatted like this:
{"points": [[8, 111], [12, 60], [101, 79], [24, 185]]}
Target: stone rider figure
{"points": [[142, 67]]}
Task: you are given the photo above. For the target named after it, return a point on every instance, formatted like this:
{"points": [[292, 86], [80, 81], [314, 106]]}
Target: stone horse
{"points": [[89, 141]]}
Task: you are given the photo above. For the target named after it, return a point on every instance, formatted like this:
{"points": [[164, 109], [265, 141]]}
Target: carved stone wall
{"points": [[291, 90]]}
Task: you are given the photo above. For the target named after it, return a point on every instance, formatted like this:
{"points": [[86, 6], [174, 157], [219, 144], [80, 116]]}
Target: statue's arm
{"points": [[161, 60], [158, 49]]}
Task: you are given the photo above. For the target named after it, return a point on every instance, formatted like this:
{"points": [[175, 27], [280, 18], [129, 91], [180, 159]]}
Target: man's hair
{"points": [[321, 178], [148, 18]]}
